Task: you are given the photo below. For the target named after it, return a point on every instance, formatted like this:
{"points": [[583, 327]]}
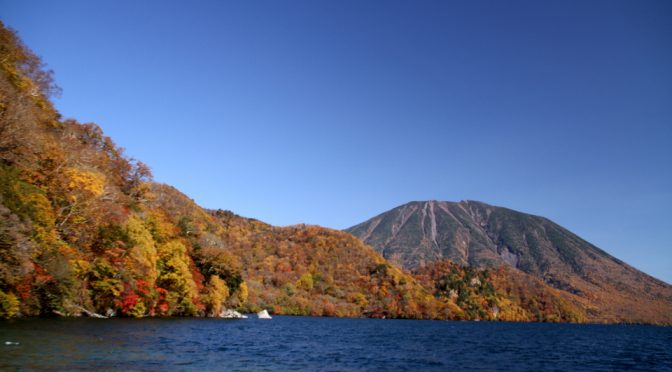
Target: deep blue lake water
{"points": [[305, 343]]}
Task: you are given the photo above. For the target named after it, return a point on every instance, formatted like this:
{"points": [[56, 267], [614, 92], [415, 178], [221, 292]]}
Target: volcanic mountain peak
{"points": [[477, 234]]}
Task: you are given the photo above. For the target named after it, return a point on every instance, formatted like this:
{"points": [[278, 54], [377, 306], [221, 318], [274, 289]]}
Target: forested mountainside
{"points": [[479, 235], [310, 270], [499, 294], [297, 270], [85, 230], [79, 230]]}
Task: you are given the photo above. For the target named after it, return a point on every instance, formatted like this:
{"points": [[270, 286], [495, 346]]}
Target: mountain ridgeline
{"points": [[476, 234]]}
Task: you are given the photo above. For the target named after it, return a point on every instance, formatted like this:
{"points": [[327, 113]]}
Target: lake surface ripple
{"points": [[306, 343]]}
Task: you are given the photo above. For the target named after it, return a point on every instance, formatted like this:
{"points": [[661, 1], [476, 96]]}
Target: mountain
{"points": [[476, 234]]}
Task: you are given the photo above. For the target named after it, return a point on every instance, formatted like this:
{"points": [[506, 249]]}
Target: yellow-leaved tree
{"points": [[143, 256], [9, 305], [217, 294], [175, 276]]}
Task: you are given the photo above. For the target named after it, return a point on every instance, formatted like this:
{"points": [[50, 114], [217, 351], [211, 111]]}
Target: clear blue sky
{"points": [[330, 112]]}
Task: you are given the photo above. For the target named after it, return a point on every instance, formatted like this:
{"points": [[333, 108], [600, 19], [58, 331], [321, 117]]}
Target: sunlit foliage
{"points": [[497, 294]]}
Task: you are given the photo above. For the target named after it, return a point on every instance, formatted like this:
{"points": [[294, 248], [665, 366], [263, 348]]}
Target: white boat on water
{"points": [[263, 314]]}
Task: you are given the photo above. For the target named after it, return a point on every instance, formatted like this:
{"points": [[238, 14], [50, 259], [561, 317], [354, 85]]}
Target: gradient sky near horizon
{"points": [[331, 112]]}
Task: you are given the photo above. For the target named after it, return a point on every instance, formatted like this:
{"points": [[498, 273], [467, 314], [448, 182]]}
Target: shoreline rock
{"points": [[91, 314], [263, 314], [231, 314]]}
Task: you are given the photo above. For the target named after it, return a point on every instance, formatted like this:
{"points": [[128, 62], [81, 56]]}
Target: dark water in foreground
{"points": [[304, 343]]}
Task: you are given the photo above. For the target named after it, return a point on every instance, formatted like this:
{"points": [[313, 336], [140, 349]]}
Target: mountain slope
{"points": [[479, 235], [500, 294], [311, 270]]}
